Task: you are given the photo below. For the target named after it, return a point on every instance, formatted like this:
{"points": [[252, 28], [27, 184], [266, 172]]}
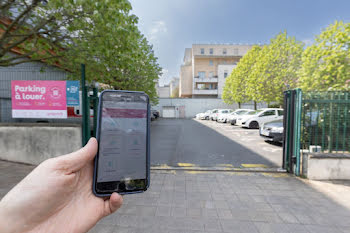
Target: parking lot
{"points": [[203, 143]]}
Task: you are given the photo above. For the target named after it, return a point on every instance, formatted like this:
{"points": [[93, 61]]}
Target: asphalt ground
{"points": [[202, 143]]}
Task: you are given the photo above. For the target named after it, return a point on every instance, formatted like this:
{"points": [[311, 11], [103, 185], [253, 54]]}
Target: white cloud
{"points": [[157, 28]]}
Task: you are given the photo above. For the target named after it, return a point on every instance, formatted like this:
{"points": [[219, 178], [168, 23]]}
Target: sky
{"points": [[173, 25]]}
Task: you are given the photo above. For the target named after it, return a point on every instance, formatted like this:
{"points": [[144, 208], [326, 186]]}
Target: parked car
{"points": [[232, 117], [222, 114], [206, 115], [213, 114], [272, 131], [199, 115], [154, 114], [255, 119]]}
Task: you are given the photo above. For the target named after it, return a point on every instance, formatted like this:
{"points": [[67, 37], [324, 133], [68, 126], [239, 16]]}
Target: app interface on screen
{"points": [[122, 153]]}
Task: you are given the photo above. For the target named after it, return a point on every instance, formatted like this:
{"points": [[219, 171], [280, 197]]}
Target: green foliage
{"points": [[101, 34], [275, 70], [265, 72], [326, 63], [175, 93], [235, 89]]}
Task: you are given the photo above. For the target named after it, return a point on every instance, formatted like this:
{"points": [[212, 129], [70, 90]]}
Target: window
{"points": [[211, 62], [268, 113], [224, 51], [225, 73], [201, 74], [202, 50], [211, 50], [280, 112], [211, 74], [235, 51], [201, 86]]}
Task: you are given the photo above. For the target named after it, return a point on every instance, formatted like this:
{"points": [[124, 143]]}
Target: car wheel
{"points": [[253, 125], [207, 118]]}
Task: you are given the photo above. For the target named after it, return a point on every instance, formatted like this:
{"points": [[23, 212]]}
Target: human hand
{"points": [[57, 197]]}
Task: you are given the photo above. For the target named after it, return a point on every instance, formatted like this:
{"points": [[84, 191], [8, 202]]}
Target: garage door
{"points": [[168, 111]]}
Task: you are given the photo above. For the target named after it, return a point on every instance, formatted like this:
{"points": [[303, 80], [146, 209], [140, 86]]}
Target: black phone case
{"points": [[147, 143]]}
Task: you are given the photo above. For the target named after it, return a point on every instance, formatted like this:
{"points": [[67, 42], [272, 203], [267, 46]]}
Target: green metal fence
{"points": [[325, 122], [314, 122]]}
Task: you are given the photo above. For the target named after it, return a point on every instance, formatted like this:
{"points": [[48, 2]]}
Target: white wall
{"points": [[194, 106]]}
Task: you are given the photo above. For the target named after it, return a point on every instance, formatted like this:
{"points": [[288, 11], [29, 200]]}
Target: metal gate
{"points": [[314, 122], [291, 125]]}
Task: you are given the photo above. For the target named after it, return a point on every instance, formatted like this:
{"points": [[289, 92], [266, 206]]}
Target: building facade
{"points": [[163, 91], [205, 68]]}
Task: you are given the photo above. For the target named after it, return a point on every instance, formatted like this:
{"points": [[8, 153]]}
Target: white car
{"points": [[255, 119], [199, 115], [232, 117], [222, 115], [213, 114], [206, 115]]}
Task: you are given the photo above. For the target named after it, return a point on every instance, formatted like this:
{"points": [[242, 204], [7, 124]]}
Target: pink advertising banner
{"points": [[38, 99]]}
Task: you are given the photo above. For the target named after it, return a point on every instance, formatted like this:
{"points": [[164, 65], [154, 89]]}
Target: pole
{"points": [[85, 108], [95, 106]]}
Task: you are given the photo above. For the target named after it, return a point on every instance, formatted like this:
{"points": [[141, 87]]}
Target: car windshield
{"points": [[254, 112], [242, 112]]}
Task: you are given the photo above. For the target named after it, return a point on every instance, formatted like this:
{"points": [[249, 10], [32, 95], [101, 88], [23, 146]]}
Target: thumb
{"points": [[112, 204], [78, 159]]}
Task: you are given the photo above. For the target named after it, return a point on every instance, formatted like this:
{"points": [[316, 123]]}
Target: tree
{"points": [[101, 34], [35, 29], [275, 69], [326, 63], [235, 89], [175, 93]]}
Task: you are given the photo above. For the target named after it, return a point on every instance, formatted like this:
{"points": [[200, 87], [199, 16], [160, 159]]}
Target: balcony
{"points": [[205, 91], [213, 79]]}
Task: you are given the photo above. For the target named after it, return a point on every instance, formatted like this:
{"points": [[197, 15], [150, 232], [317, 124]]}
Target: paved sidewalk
{"points": [[189, 202]]}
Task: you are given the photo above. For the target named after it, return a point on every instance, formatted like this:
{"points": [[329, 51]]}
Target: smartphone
{"points": [[122, 163]]}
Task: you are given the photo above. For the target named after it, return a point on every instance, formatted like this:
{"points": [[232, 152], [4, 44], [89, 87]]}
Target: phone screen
{"points": [[122, 155]]}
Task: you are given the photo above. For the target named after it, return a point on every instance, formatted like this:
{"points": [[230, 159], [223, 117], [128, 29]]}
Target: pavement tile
{"points": [[321, 229], [178, 212], [194, 212], [163, 211], [288, 217], [238, 226]]}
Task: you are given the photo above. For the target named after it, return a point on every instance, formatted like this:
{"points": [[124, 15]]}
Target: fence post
{"points": [[297, 125], [85, 109], [330, 140], [95, 106]]}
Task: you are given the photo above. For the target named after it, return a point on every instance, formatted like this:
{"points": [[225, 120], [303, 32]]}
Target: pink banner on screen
{"points": [[124, 113], [38, 99]]}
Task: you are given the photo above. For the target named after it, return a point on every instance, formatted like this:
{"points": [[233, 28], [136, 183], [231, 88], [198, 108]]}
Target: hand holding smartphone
{"points": [[122, 163]]}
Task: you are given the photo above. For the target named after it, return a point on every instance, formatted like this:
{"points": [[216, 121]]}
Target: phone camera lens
{"points": [[121, 186]]}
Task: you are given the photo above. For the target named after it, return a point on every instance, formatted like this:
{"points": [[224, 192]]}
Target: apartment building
{"points": [[205, 68]]}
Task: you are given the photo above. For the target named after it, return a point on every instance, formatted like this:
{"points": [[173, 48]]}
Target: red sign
{"points": [[38, 99]]}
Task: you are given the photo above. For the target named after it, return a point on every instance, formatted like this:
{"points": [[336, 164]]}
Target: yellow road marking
{"points": [[276, 175], [225, 165], [185, 164], [253, 165], [196, 172]]}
